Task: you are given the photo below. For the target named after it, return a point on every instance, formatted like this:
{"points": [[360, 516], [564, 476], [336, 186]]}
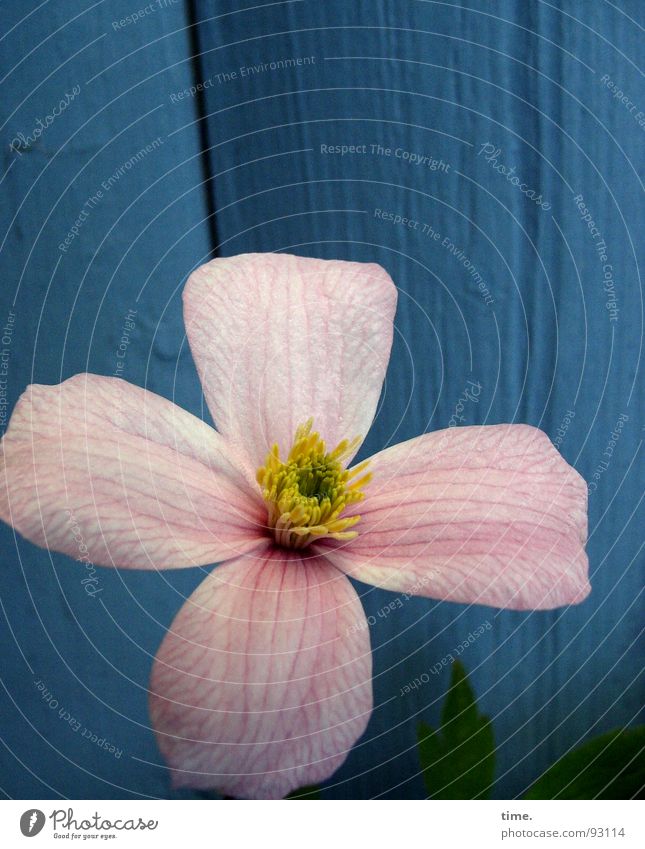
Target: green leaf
{"points": [[312, 792], [611, 766], [458, 761]]}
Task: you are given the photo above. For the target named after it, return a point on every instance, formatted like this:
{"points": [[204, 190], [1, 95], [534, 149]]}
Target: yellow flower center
{"points": [[307, 493]]}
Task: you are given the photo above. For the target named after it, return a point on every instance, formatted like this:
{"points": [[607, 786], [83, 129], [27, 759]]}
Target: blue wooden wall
{"points": [[248, 160]]}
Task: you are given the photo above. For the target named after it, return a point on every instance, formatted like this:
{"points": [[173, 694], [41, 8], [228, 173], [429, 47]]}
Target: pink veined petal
{"points": [[279, 338], [107, 472], [263, 683], [488, 515]]}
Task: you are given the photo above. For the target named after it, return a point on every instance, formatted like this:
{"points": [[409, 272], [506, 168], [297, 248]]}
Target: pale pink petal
{"points": [[488, 515], [279, 338], [108, 472], [263, 683]]}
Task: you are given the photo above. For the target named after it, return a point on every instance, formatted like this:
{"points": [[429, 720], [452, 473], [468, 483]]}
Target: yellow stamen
{"points": [[307, 493]]}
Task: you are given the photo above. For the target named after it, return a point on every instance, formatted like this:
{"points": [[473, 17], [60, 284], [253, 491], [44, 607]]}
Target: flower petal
{"points": [[103, 470], [487, 515], [263, 683], [280, 338]]}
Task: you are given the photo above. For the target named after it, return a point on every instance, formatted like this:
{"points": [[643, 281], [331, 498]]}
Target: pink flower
{"points": [[263, 682]]}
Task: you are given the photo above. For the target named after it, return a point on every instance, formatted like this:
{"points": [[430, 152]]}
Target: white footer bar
{"points": [[321, 824]]}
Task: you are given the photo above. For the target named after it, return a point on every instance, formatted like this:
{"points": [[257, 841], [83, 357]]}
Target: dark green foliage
{"points": [[458, 761], [611, 766], [312, 792]]}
